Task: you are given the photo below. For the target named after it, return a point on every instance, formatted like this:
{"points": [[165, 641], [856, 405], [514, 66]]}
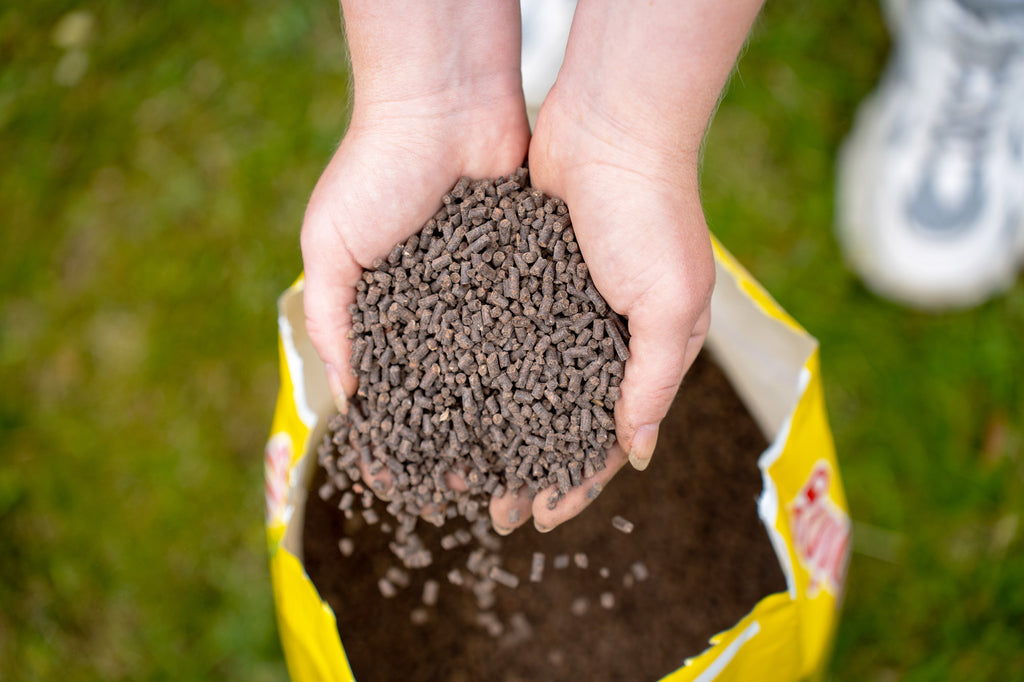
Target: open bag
{"points": [[772, 364]]}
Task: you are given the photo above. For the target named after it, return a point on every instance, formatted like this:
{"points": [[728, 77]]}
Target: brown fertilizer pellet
{"points": [[640, 572], [430, 591], [326, 490], [502, 576], [397, 576], [537, 567], [622, 525], [387, 590]]}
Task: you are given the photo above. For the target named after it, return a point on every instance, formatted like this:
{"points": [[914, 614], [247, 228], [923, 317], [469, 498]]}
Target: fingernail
{"points": [[500, 530], [337, 390], [541, 527], [643, 446]]}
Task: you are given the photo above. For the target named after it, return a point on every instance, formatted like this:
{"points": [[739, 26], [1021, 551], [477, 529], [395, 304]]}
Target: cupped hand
{"points": [[633, 197], [385, 181]]}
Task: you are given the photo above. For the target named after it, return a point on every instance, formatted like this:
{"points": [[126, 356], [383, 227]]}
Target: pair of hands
{"points": [[426, 114]]}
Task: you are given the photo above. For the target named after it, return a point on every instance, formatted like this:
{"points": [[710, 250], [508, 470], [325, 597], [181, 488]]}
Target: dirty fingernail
{"points": [[643, 446], [337, 390]]}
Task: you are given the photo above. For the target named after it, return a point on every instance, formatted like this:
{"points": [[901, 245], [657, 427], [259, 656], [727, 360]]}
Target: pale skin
{"points": [[438, 95]]}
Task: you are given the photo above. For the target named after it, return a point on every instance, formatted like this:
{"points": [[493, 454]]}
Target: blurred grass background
{"points": [[156, 162]]}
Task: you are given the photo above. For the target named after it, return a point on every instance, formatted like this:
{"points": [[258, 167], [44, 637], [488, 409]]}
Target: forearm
{"points": [[657, 67], [411, 50]]}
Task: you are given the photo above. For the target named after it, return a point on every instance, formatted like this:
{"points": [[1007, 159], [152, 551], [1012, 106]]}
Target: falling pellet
{"points": [[397, 576], [326, 490], [387, 590], [502, 576], [430, 591], [607, 600], [537, 567], [622, 525]]}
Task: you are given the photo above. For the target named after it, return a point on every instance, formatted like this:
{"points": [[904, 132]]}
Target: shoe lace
{"points": [[969, 111]]}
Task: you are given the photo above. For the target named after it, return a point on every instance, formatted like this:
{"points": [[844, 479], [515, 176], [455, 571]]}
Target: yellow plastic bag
{"points": [[773, 365]]}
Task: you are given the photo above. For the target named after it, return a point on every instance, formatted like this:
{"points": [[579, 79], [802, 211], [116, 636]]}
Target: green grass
{"points": [[151, 214]]}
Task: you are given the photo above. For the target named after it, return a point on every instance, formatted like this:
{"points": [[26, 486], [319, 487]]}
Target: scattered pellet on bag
{"points": [[491, 623], [517, 631]]}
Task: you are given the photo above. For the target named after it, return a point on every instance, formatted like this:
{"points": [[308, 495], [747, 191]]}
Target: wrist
{"points": [[658, 68], [440, 52]]}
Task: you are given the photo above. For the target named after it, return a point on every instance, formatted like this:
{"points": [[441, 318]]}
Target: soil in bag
{"points": [[609, 605]]}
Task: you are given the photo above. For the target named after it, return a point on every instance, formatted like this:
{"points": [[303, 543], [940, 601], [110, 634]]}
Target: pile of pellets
{"points": [[482, 349]]}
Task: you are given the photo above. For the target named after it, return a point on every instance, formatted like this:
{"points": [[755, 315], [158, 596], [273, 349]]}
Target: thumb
{"points": [[331, 274], [668, 324]]}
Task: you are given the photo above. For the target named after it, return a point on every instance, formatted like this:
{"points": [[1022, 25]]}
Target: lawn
{"points": [[157, 158]]}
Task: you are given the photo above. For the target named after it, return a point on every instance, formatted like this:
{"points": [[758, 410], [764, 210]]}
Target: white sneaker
{"points": [[930, 195], [545, 34]]}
